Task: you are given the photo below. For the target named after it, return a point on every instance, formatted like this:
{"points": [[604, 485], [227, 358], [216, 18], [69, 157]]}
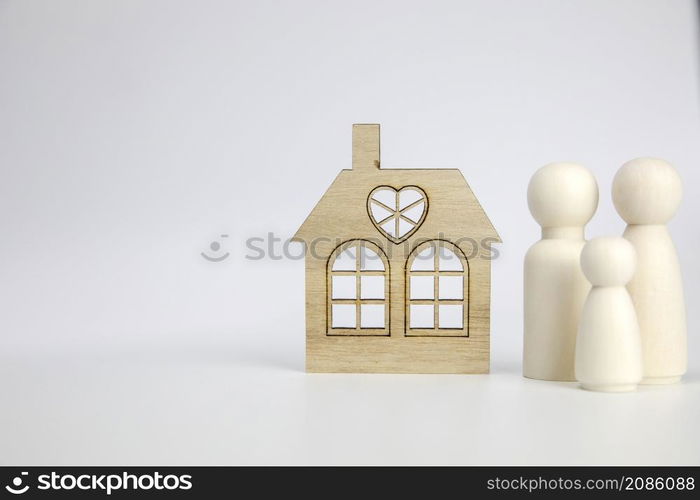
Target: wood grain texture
{"points": [[453, 214]]}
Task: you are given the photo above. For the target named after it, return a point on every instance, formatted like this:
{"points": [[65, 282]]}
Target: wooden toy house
{"points": [[398, 270]]}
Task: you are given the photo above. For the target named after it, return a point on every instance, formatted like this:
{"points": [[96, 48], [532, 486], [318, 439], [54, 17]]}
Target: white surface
{"points": [[136, 133], [217, 403]]}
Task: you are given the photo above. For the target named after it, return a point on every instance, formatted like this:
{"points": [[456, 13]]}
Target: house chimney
{"points": [[365, 146]]}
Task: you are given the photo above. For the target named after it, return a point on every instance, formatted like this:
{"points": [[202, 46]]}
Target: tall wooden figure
{"points": [[397, 274], [562, 198], [646, 193]]}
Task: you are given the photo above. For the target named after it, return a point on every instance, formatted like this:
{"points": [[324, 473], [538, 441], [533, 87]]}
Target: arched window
{"points": [[437, 290], [358, 290]]}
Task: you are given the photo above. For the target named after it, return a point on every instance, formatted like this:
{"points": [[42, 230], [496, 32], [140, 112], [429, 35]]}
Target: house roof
{"points": [[447, 190]]}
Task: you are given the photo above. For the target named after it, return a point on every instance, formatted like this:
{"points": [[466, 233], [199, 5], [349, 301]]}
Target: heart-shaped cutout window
{"points": [[397, 213]]}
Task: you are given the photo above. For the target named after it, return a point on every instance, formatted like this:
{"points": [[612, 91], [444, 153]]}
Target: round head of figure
{"points": [[647, 191], [562, 195], [608, 261]]}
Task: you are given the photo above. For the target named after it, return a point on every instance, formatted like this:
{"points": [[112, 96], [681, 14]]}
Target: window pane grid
{"points": [[448, 313], [363, 272], [431, 273], [375, 320]]}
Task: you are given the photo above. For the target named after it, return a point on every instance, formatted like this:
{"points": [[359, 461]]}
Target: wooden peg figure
{"points": [[562, 198], [646, 193], [608, 347]]}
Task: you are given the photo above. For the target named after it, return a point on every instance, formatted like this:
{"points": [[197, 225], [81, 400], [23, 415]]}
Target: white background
{"points": [[133, 134]]}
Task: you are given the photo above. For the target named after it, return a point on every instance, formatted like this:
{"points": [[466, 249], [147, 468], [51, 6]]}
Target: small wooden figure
{"points": [[608, 347], [562, 198], [646, 193], [398, 270]]}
